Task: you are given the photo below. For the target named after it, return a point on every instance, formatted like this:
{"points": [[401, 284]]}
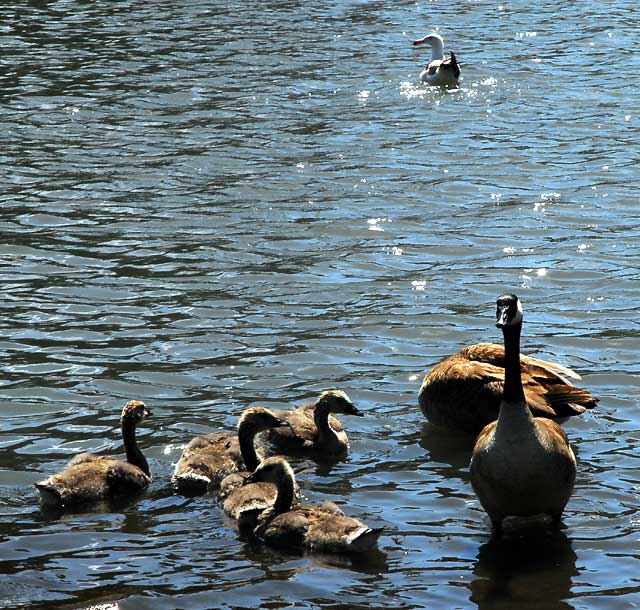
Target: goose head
{"points": [[134, 411], [337, 401], [508, 311], [259, 419], [272, 470]]}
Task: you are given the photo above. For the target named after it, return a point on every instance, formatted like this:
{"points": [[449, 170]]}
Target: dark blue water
{"points": [[213, 206]]}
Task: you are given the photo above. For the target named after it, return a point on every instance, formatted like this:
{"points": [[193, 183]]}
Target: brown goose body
{"points": [[208, 459], [90, 478], [323, 527], [521, 465], [244, 503], [463, 392], [313, 429]]}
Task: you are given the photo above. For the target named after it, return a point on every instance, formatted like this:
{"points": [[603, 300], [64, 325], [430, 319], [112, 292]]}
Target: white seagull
{"points": [[440, 72]]}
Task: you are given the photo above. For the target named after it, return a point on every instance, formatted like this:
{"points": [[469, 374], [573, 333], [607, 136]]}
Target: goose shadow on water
{"points": [[533, 570], [107, 505], [448, 447], [268, 558]]}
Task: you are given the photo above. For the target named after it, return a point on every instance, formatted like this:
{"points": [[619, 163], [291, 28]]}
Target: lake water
{"points": [[208, 206]]}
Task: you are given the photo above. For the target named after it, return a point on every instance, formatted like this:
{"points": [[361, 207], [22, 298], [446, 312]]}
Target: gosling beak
{"points": [[502, 318], [147, 412], [353, 410]]}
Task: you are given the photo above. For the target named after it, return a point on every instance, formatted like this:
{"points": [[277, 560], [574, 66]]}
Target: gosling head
{"points": [[508, 311], [337, 401], [134, 411], [259, 419], [271, 470], [435, 41]]}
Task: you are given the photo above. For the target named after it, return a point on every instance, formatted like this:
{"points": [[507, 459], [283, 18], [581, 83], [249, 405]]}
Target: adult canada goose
{"points": [[323, 528], [521, 465], [440, 72], [312, 429], [90, 478], [463, 392], [208, 459]]}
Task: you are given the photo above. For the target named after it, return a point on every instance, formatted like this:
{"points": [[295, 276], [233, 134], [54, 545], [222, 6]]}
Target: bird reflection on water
{"points": [[273, 560], [448, 447], [533, 566]]}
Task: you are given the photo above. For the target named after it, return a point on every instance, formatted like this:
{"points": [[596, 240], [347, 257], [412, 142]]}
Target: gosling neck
{"points": [[326, 434], [246, 436], [132, 451], [284, 494]]}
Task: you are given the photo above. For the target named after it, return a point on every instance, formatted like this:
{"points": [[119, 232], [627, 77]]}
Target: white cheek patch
{"points": [[518, 317]]}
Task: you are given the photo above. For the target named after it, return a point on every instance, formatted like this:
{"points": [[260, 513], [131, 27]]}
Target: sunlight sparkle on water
{"points": [[409, 90], [374, 223]]}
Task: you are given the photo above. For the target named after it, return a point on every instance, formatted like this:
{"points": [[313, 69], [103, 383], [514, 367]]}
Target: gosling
{"points": [[89, 478], [313, 430], [208, 459], [321, 528]]}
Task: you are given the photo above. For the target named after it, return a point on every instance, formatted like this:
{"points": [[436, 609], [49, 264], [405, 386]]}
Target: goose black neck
{"points": [[132, 451], [246, 436], [512, 391], [284, 496]]}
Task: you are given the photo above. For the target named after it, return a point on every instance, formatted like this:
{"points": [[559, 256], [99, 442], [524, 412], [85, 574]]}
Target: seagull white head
{"points": [[436, 42]]}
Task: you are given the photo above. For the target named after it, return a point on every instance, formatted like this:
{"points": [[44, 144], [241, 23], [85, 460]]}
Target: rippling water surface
{"points": [[209, 206]]}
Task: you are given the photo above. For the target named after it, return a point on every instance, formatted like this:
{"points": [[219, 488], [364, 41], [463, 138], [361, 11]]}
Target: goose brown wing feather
{"points": [[82, 458], [464, 390], [577, 399], [123, 477], [214, 455], [288, 529], [550, 368], [492, 353], [76, 475]]}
